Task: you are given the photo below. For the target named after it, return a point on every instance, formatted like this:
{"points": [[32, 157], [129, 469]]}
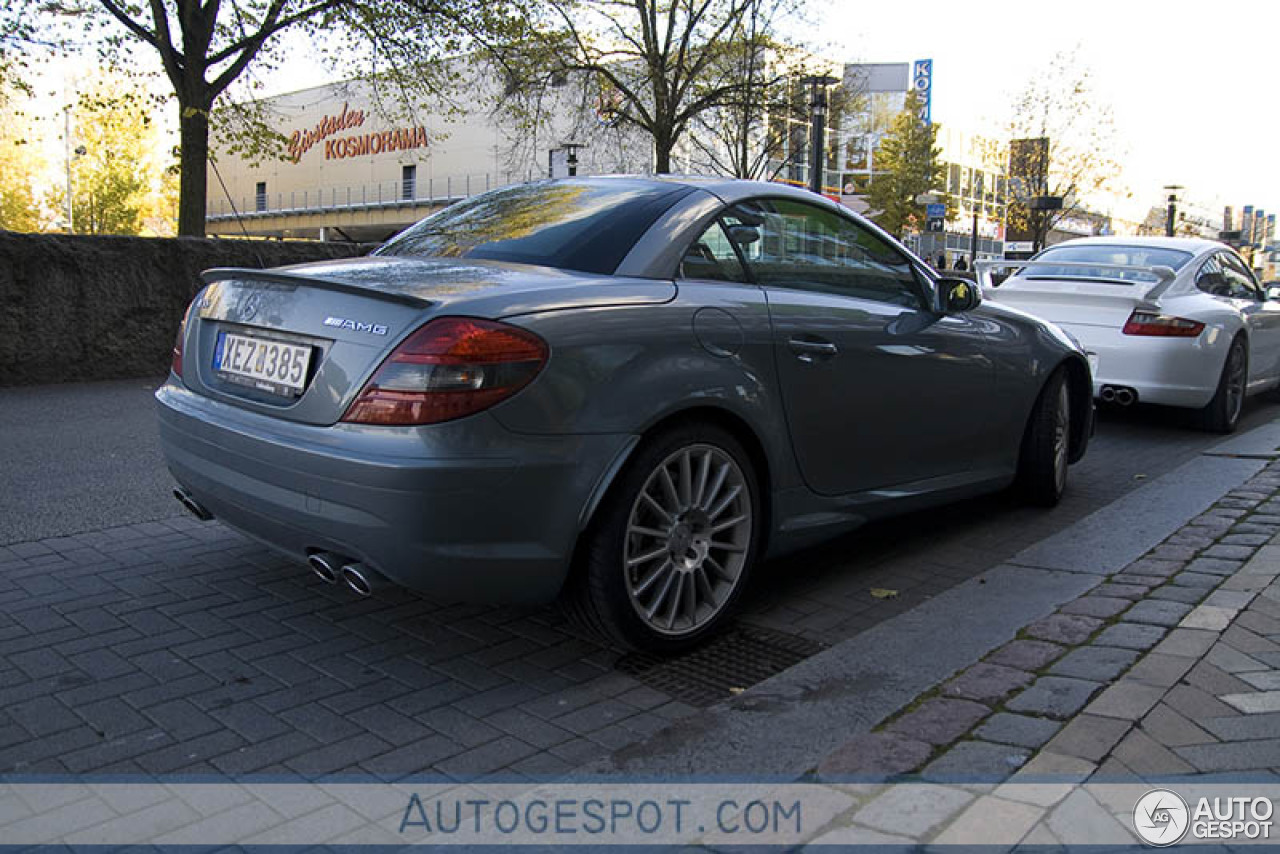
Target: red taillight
{"points": [[175, 364], [450, 368], [1161, 325]]}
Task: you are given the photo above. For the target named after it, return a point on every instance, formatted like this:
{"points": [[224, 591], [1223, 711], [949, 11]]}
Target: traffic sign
{"points": [[935, 210]]}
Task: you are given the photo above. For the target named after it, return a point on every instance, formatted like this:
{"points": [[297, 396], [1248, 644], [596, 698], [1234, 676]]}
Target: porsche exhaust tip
{"points": [[327, 566], [1118, 394], [195, 508], [362, 579]]}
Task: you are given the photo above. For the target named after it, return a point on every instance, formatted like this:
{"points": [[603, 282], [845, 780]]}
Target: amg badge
{"points": [[356, 325]]}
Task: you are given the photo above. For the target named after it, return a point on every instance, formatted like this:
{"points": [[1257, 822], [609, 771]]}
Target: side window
{"points": [[1241, 280], [809, 248], [1211, 279], [712, 257]]}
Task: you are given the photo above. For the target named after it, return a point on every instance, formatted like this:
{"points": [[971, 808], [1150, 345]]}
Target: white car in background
{"points": [[1165, 320]]}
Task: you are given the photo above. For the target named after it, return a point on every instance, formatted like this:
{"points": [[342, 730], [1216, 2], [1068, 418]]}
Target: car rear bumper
{"points": [[1167, 371], [461, 511]]}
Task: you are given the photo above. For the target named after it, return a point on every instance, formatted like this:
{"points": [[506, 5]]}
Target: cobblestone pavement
{"points": [[175, 646], [1168, 670]]}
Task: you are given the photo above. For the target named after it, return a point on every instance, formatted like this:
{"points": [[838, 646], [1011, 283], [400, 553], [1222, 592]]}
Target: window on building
{"points": [[953, 180], [408, 182], [260, 196]]}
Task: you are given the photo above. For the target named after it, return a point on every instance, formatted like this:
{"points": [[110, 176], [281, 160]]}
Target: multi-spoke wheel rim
{"points": [[1235, 384], [687, 539], [1061, 438]]}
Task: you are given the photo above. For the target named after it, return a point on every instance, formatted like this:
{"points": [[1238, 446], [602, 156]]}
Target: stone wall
{"points": [[91, 308]]}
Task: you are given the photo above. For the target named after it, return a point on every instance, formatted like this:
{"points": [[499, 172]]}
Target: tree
{"points": [[112, 173], [205, 47], [746, 135], [18, 164], [1062, 146], [907, 165], [664, 62]]}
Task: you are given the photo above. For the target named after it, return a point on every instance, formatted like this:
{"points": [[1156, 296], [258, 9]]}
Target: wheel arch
{"points": [[729, 421], [1080, 387]]}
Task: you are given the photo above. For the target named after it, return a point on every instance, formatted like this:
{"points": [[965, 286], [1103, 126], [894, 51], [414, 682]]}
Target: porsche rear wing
{"points": [[1164, 275]]}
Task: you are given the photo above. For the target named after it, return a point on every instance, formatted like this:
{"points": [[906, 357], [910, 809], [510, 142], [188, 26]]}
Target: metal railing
{"points": [[394, 193]]}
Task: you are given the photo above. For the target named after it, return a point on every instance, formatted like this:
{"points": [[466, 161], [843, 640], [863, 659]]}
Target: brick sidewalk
{"points": [[1170, 668]]}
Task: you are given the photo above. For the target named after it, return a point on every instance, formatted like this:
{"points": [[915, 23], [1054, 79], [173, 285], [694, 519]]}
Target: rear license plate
{"points": [[273, 366]]}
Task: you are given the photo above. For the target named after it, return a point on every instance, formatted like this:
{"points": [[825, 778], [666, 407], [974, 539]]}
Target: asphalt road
{"points": [[84, 456], [80, 457]]}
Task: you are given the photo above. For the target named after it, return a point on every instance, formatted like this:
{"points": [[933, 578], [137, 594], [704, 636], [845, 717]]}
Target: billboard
{"points": [[922, 83]]}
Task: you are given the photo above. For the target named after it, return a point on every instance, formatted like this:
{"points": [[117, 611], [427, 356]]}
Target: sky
{"points": [[1190, 85]]}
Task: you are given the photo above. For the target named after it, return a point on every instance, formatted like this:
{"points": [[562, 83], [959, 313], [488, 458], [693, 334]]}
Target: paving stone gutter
{"points": [[1168, 671], [1073, 682]]}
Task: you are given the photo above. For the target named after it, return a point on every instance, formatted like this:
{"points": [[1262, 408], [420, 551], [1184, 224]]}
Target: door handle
{"points": [[809, 351]]}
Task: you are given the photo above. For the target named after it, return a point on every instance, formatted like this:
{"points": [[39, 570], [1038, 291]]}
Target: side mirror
{"points": [[958, 295], [744, 235], [1273, 293]]}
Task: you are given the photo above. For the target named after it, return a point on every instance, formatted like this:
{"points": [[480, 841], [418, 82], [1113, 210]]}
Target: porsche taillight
{"points": [[449, 368], [1161, 325]]}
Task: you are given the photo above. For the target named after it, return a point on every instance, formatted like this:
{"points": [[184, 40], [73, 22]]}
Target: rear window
{"points": [[581, 225], [1104, 259]]}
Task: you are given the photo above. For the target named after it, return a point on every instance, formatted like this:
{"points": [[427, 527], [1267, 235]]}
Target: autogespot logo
{"points": [[1161, 817]]}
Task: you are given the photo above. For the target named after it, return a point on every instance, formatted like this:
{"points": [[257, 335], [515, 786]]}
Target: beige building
{"points": [[361, 169]]}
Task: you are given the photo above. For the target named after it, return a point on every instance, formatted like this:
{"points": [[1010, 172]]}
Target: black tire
{"points": [[1046, 444], [1222, 414], [609, 596]]}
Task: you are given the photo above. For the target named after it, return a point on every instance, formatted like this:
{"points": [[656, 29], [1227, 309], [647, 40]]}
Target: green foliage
{"points": [[20, 166], [18, 208], [112, 172], [907, 165]]}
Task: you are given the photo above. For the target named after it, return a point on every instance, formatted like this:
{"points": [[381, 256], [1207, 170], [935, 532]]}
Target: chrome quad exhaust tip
{"points": [[195, 508], [327, 566], [362, 579]]}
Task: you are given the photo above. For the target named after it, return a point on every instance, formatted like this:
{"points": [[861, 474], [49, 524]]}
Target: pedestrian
{"points": [[961, 264], [942, 261]]}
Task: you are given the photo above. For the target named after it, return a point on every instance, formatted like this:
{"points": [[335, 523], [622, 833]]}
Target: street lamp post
{"points": [[818, 128], [66, 136], [1171, 215], [973, 241]]}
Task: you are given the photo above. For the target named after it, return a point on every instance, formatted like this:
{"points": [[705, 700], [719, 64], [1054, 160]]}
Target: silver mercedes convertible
{"points": [[623, 392]]}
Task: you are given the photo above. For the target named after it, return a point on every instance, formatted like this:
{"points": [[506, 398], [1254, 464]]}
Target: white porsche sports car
{"points": [[1165, 320]]}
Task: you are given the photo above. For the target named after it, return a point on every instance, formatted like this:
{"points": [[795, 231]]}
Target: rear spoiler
{"points": [[224, 274], [1165, 275]]}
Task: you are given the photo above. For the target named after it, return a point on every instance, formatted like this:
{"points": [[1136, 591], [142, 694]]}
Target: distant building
{"points": [[361, 169]]}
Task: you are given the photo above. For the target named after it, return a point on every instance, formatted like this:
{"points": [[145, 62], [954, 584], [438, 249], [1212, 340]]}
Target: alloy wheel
{"points": [[1235, 383], [688, 534], [1061, 438]]}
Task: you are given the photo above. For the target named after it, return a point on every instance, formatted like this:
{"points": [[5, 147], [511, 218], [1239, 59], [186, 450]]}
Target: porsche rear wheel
{"points": [[1222, 415]]}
